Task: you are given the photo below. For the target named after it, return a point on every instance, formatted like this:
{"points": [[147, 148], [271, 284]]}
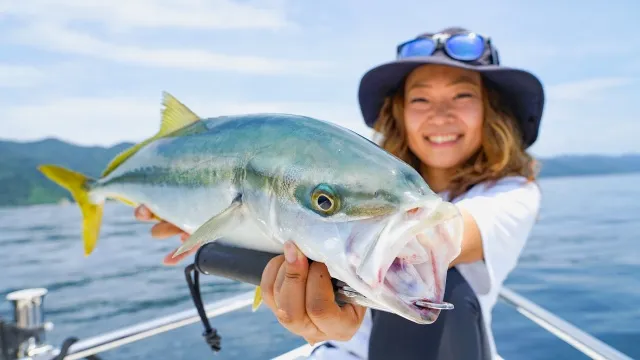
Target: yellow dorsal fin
{"points": [[175, 116]]}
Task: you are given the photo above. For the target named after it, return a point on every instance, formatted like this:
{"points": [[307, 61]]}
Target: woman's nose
{"points": [[441, 113]]}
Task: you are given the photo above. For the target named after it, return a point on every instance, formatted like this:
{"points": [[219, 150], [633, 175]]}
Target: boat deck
{"points": [[580, 340]]}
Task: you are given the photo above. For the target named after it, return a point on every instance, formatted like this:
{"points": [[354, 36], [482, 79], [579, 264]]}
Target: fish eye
{"points": [[324, 200]]}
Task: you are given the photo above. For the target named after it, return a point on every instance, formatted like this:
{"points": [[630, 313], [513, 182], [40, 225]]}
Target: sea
{"points": [[582, 263]]}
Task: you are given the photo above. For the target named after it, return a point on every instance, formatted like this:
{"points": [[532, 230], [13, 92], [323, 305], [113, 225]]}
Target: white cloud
{"points": [[117, 15], [53, 37], [584, 117], [19, 76], [105, 121], [52, 25], [582, 89]]}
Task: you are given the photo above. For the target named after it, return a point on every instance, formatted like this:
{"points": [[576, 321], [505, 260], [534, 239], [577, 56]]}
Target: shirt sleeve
{"points": [[505, 214]]}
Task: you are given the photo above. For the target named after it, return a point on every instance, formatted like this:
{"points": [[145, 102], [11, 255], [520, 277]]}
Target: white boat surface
{"points": [[28, 314]]}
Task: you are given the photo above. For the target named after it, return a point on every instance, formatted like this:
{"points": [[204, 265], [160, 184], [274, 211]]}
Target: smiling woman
{"points": [[440, 92], [449, 109]]}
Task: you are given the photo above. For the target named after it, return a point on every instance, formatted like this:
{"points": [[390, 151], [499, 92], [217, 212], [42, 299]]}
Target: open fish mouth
{"points": [[407, 266]]}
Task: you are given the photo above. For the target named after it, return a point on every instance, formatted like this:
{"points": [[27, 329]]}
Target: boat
{"points": [[24, 338]]}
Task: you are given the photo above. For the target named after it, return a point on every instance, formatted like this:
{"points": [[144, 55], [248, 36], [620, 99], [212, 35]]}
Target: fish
{"points": [[257, 180]]}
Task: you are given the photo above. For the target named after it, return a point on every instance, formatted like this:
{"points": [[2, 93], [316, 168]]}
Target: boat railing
{"points": [[29, 318]]}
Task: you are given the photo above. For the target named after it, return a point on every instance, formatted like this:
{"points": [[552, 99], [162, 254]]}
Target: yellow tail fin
{"points": [[76, 184]]}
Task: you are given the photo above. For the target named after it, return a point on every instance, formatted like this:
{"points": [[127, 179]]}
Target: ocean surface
{"points": [[581, 263]]}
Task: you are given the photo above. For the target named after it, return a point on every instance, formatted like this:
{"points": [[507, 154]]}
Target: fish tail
{"points": [[78, 185]]}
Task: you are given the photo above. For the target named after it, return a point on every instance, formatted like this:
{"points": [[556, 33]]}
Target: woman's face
{"points": [[443, 114]]}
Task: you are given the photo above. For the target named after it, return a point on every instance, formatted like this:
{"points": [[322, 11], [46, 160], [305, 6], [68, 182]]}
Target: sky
{"points": [[92, 72]]}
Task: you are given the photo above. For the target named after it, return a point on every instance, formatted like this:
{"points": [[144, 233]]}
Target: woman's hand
{"points": [[302, 298], [163, 230]]}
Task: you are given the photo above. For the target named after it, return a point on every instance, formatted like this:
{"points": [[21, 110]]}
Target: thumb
{"points": [[297, 265], [292, 292]]}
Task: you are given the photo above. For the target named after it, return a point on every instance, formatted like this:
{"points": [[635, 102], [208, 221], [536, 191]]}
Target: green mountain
{"points": [[22, 184]]}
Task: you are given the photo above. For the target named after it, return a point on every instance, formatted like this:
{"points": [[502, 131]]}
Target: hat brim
{"points": [[521, 89]]}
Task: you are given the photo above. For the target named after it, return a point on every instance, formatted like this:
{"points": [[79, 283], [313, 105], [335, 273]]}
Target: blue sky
{"points": [[92, 72]]}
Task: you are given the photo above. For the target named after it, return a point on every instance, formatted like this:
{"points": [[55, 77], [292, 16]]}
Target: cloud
{"points": [[19, 76], [105, 121], [186, 14], [53, 37], [585, 116], [581, 89], [69, 26]]}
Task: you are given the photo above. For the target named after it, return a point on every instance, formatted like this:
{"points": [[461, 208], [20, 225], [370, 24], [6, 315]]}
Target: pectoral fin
{"points": [[215, 227], [257, 299]]}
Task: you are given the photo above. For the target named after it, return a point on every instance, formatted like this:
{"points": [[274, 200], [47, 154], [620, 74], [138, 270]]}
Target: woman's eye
{"points": [[418, 100], [464, 95]]}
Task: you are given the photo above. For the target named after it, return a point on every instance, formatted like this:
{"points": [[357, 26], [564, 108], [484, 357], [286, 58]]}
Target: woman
{"points": [[446, 107]]}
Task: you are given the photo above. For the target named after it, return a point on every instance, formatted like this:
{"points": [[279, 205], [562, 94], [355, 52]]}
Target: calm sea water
{"points": [[582, 263]]}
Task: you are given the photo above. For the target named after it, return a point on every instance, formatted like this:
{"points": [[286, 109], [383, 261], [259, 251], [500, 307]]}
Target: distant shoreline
{"points": [[23, 185]]}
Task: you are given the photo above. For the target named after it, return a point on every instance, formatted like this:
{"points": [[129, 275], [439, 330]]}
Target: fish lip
{"points": [[426, 221], [426, 315], [409, 310], [438, 212]]}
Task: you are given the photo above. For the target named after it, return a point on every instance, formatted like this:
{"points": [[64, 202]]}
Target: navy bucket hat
{"points": [[521, 90]]}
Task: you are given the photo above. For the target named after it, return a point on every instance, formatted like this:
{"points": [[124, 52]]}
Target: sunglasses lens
{"points": [[465, 47], [418, 47]]}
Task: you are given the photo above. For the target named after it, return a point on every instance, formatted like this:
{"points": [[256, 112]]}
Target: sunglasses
{"points": [[463, 47]]}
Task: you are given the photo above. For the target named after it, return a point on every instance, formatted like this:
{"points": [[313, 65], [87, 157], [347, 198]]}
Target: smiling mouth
{"points": [[443, 139]]}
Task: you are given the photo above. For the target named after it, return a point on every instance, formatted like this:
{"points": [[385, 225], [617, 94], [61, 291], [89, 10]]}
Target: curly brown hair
{"points": [[501, 153]]}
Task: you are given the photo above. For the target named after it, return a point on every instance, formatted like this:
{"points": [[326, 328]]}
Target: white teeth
{"points": [[439, 139]]}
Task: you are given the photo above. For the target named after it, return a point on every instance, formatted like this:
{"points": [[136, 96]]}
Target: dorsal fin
{"points": [[175, 116]]}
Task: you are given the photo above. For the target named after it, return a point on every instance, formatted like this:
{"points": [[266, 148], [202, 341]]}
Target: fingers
{"points": [[287, 291], [322, 309], [163, 230], [277, 286], [170, 260], [302, 298], [143, 213], [269, 275], [292, 292]]}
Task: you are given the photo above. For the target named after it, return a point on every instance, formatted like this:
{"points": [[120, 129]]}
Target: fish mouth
{"points": [[408, 262]]}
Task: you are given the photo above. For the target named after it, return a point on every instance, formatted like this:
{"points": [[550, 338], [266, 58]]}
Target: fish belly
{"points": [[190, 207]]}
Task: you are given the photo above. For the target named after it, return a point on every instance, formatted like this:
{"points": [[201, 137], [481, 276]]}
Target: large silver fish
{"points": [[258, 180]]}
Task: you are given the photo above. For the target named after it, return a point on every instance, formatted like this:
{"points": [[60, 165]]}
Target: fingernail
{"points": [[290, 252]]}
